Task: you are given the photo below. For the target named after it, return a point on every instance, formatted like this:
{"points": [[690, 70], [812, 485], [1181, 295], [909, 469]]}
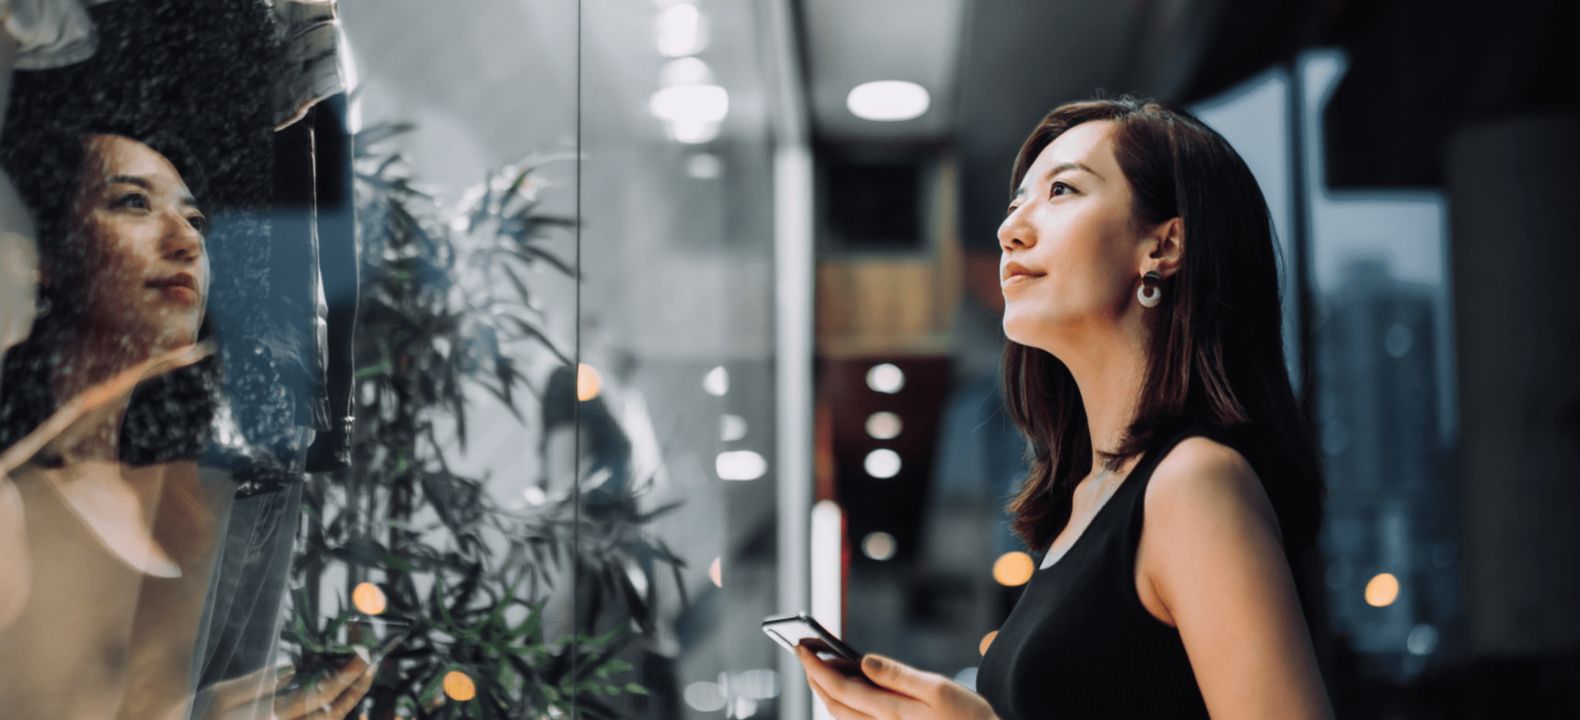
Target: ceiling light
{"points": [[692, 133], [883, 425], [740, 465], [882, 463], [690, 103], [878, 546], [886, 378], [717, 381], [685, 71], [732, 428], [680, 30], [887, 100]]}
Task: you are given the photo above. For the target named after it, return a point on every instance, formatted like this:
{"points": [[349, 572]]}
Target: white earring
{"points": [[1149, 294]]}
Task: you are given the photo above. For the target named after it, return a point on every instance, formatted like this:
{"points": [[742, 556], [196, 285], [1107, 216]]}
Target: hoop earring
{"points": [[1149, 294]]}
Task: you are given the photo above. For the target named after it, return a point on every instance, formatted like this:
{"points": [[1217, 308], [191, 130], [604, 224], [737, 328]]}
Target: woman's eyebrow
{"points": [[132, 180], [1061, 167]]}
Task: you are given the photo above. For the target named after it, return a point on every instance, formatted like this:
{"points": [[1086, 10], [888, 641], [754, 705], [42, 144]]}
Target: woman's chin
{"points": [[1021, 329], [172, 340]]}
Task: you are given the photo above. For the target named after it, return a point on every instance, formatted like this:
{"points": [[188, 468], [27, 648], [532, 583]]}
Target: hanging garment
{"points": [[317, 279], [50, 33]]}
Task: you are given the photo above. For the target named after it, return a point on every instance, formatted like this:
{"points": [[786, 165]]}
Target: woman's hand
{"points": [[331, 698], [902, 692]]}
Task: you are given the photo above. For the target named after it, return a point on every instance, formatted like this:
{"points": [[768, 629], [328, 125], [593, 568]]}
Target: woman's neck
{"points": [[1109, 369], [87, 360]]}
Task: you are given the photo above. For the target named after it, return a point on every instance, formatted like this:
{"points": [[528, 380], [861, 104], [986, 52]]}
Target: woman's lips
{"points": [[179, 289], [1018, 279], [178, 293]]}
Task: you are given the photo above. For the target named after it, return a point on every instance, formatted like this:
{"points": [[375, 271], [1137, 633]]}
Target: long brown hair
{"points": [[1215, 356]]}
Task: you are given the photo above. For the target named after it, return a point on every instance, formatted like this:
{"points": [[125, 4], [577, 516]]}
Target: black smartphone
{"points": [[800, 629]]}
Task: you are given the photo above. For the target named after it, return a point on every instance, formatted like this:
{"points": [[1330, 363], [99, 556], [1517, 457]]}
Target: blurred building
{"points": [[1392, 495]]}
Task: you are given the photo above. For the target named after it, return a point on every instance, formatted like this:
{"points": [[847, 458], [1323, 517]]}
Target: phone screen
{"points": [[800, 629]]}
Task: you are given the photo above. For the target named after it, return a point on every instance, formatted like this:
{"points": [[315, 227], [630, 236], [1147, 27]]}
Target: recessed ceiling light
{"points": [[680, 30], [887, 100]]}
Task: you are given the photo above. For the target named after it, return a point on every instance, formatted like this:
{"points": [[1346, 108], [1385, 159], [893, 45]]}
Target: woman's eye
{"points": [[198, 223], [131, 200], [1054, 191]]}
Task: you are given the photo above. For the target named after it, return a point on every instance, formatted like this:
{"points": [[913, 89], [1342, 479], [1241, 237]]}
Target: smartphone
{"points": [[800, 629]]}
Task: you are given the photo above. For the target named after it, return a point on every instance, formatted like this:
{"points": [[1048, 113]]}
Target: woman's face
{"points": [[141, 235], [1070, 250]]}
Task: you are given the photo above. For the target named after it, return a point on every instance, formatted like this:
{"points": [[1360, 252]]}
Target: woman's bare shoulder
{"points": [[1202, 475]]}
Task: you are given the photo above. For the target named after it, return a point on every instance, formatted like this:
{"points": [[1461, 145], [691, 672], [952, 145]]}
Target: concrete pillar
{"points": [[1514, 206]]}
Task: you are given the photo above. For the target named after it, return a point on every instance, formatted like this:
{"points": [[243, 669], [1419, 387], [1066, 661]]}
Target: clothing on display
{"points": [[50, 33]]}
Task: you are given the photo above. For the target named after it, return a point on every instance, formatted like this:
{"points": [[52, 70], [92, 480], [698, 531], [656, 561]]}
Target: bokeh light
{"points": [[704, 696], [368, 598], [740, 465], [879, 546], [1382, 590], [588, 382], [882, 463], [883, 425], [888, 100], [716, 572], [1013, 569], [458, 686], [732, 428], [717, 381], [987, 641], [886, 378]]}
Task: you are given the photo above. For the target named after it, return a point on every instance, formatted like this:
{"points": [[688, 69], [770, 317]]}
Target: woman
{"points": [[109, 571], [1142, 308]]}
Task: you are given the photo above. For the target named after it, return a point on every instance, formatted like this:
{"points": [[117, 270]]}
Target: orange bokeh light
{"points": [[1013, 569], [987, 640], [458, 686], [1382, 590], [588, 382], [368, 598]]}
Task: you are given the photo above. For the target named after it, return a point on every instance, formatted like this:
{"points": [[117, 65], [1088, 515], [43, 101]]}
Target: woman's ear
{"points": [[1167, 247]]}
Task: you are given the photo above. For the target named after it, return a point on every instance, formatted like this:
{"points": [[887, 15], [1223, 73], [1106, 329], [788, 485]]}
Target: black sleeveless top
{"points": [[1079, 643]]}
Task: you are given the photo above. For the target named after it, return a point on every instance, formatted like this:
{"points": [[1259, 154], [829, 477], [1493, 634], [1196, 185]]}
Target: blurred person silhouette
{"points": [[1145, 368], [106, 409]]}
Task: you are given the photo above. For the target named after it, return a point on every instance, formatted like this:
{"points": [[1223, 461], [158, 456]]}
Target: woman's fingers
{"points": [[902, 678], [836, 708], [857, 695], [343, 705], [249, 688], [321, 696]]}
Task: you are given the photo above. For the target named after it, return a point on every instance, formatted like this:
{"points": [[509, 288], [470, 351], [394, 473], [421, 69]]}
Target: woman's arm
{"points": [[1216, 562]]}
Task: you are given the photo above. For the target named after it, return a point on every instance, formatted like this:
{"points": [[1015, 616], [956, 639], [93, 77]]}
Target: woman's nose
{"points": [[182, 241], [1014, 234]]}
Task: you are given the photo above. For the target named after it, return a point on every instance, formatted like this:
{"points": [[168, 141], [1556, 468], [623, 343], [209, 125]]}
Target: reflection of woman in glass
{"points": [[108, 573], [123, 284], [1146, 369]]}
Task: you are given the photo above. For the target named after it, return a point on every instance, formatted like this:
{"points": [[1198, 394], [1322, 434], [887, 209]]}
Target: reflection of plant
{"points": [[445, 306]]}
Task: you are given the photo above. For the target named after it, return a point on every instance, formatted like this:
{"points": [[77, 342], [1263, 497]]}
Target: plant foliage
{"points": [[446, 304]]}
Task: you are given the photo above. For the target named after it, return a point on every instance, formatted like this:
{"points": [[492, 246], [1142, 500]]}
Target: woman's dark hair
{"points": [[1215, 356], [168, 415]]}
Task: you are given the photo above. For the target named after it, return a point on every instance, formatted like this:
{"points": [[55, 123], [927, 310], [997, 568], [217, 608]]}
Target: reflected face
{"points": [[1069, 244], [141, 235]]}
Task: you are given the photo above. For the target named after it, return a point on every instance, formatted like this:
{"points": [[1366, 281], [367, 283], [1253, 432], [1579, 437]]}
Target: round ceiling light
{"points": [[887, 100]]}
